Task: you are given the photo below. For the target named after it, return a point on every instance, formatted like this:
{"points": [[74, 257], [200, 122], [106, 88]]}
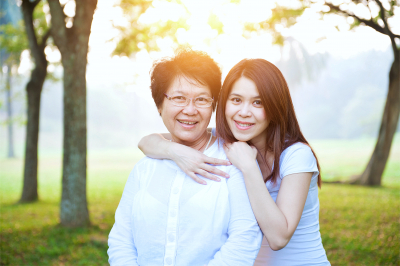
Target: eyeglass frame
{"points": [[190, 99]]}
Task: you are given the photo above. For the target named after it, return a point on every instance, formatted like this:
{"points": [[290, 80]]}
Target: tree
{"points": [[12, 43], [37, 44], [372, 174], [73, 43], [137, 36]]}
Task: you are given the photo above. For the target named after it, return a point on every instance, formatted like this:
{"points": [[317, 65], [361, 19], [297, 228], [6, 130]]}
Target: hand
{"points": [[193, 162], [240, 154]]}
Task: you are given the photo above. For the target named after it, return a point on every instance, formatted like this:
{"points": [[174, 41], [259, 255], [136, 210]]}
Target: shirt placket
{"points": [[172, 221]]}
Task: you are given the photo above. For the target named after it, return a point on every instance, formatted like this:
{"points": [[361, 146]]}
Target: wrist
{"points": [[247, 166], [171, 150]]}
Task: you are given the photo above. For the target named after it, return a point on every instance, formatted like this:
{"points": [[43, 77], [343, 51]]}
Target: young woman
{"points": [[256, 118]]}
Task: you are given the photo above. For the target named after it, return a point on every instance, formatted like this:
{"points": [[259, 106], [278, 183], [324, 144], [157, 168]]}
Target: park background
{"points": [[338, 77]]}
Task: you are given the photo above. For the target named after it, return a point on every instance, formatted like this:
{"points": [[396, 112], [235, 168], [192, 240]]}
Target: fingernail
{"points": [[204, 183], [218, 179], [227, 176]]}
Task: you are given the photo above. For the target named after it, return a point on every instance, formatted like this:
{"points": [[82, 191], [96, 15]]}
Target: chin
{"points": [[242, 137]]}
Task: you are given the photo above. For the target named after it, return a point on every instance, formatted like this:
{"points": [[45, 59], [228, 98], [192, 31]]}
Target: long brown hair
{"points": [[283, 129]]}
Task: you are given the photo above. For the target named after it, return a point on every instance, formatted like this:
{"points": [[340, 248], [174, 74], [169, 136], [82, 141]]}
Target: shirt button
{"points": [[171, 237], [176, 190], [173, 213], [168, 261]]}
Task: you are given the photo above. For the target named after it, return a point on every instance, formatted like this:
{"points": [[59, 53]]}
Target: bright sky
{"points": [[227, 49]]}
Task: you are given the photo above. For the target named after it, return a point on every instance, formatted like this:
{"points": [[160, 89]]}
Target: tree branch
{"points": [[58, 28], [83, 11], [387, 29], [44, 39], [27, 13], [34, 3], [369, 23]]}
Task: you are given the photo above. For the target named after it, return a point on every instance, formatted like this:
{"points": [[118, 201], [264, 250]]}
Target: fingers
{"points": [[197, 179], [214, 170], [216, 161], [208, 175]]}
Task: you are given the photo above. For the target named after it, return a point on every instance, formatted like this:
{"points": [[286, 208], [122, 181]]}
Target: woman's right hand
{"points": [[193, 162]]}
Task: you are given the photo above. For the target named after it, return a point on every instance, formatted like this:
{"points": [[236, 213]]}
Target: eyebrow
{"points": [[184, 93], [235, 94]]}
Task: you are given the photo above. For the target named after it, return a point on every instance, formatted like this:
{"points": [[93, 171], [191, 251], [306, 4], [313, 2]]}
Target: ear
{"points": [[159, 110]]}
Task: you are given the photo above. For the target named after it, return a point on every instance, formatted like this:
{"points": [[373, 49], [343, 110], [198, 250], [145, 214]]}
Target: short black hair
{"points": [[196, 65]]}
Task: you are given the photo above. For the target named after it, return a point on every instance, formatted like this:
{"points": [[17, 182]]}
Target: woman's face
{"points": [[187, 124], [245, 112]]}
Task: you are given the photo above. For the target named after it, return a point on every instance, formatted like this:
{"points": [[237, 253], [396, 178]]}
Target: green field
{"points": [[359, 225]]}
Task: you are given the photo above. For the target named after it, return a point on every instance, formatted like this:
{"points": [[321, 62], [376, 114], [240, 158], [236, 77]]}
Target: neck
{"points": [[198, 144], [260, 143]]}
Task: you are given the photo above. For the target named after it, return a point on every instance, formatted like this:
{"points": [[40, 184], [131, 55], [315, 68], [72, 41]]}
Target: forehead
{"points": [[188, 87], [245, 87]]}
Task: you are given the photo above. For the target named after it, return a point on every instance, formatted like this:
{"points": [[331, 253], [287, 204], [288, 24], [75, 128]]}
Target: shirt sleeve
{"points": [[121, 245], [298, 158], [245, 236]]}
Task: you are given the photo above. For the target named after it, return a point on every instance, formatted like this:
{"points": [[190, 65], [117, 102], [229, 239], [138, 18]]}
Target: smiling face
{"points": [[188, 124], [245, 112]]}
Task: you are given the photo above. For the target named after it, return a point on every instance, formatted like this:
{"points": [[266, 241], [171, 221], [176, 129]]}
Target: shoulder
{"points": [[144, 165], [298, 151], [296, 159]]}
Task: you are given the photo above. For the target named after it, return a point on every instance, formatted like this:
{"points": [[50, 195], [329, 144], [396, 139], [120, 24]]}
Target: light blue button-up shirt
{"points": [[166, 218]]}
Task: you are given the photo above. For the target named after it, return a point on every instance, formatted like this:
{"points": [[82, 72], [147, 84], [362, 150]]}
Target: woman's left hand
{"points": [[240, 154]]}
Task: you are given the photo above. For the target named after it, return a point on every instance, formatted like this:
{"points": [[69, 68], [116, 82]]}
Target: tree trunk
{"points": [[372, 174], [33, 90], [73, 44], [74, 211], [10, 153]]}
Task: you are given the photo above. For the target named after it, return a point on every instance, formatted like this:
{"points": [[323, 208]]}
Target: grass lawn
{"points": [[359, 225]]}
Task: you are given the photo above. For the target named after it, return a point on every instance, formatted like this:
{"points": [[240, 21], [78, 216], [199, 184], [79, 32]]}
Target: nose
{"points": [[245, 110], [190, 109]]}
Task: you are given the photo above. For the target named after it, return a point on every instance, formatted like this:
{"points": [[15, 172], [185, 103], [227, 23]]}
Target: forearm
{"points": [[156, 146], [244, 241], [270, 218]]}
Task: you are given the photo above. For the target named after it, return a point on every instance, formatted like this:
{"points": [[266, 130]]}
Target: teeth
{"points": [[244, 125], [187, 123]]}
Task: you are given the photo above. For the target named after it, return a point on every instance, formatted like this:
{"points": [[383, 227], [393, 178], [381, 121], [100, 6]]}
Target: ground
{"points": [[359, 225]]}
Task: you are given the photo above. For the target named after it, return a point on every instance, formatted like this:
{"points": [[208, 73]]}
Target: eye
{"points": [[236, 100], [257, 103], [179, 99], [201, 99]]}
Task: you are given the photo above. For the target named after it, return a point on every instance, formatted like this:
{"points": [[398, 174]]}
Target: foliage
{"points": [[355, 229], [13, 40], [281, 15], [136, 36]]}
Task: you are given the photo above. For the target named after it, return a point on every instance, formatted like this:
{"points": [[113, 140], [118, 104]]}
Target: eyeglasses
{"points": [[184, 101]]}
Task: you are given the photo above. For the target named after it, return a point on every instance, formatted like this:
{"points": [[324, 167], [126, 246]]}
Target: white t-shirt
{"points": [[305, 247], [166, 218]]}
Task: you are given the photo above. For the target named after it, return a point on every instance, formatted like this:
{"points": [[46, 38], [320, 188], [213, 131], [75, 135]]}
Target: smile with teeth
{"points": [[244, 124], [186, 122]]}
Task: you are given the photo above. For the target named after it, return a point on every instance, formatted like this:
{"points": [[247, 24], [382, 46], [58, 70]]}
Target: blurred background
{"points": [[336, 64]]}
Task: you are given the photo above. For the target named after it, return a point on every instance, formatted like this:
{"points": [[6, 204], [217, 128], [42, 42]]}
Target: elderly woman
{"points": [[166, 218]]}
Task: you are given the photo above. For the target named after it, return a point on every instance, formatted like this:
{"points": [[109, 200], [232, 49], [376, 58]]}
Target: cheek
{"points": [[261, 116], [230, 110], [206, 114]]}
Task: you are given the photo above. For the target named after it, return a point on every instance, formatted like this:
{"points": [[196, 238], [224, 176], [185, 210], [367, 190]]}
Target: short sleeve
{"points": [[298, 158]]}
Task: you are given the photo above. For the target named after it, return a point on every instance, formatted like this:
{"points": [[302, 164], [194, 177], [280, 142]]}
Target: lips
{"points": [[187, 123], [243, 125]]}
